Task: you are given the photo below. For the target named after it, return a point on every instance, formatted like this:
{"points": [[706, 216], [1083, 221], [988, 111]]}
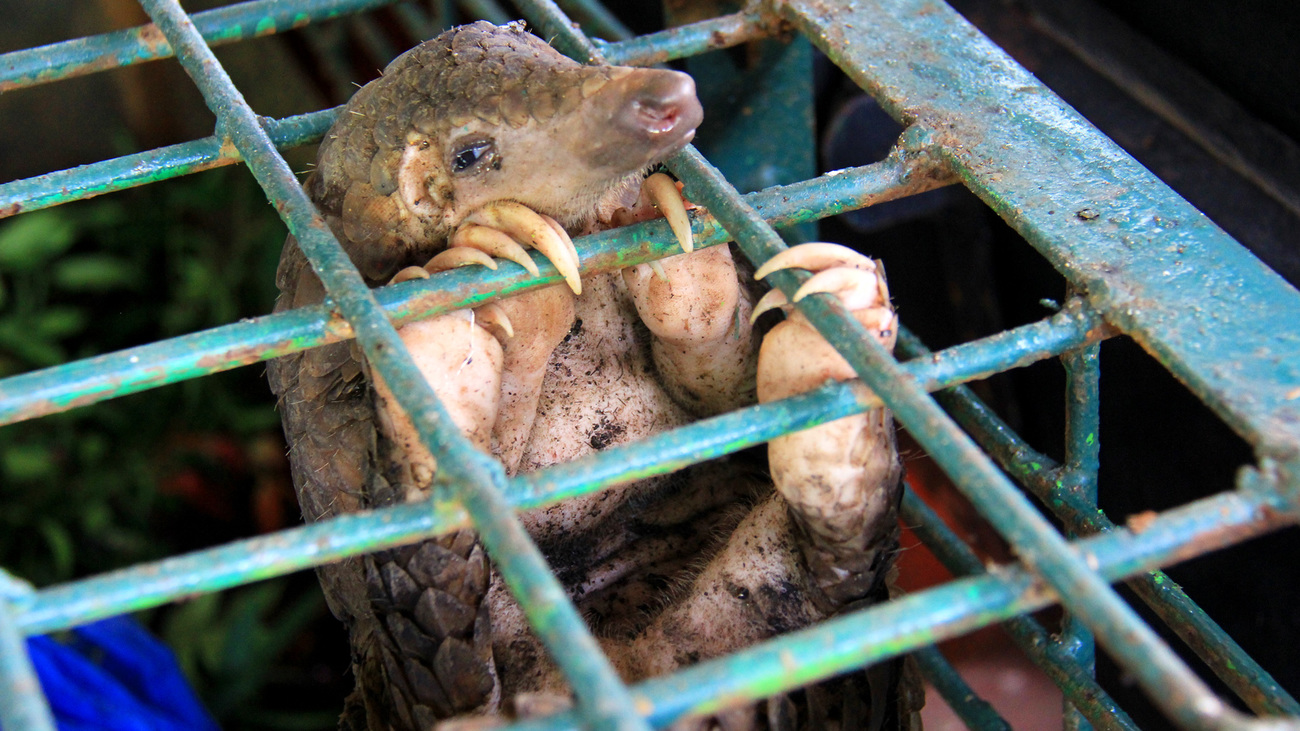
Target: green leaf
{"points": [[60, 322], [95, 273], [18, 336], [27, 462], [29, 240], [60, 544], [189, 632]]}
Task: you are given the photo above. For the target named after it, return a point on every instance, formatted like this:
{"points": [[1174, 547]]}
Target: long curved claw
{"points": [[492, 242], [816, 257], [408, 274], [773, 299], [494, 318], [526, 225], [664, 194], [564, 237], [855, 288], [460, 256]]}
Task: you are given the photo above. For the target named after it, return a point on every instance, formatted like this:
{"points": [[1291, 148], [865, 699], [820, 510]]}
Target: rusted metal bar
{"points": [[1082, 458], [904, 624], [142, 168], [973, 711], [1061, 666], [90, 380], [150, 585], [1056, 488], [22, 706], [219, 26]]}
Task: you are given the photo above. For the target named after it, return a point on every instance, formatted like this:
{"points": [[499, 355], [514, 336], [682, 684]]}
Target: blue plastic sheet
{"points": [[113, 675]]}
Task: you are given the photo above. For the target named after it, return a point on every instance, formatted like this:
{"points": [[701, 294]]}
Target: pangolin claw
{"points": [[664, 194], [458, 257], [856, 279], [408, 274], [527, 226], [493, 317], [494, 243], [773, 299], [816, 257], [856, 288]]}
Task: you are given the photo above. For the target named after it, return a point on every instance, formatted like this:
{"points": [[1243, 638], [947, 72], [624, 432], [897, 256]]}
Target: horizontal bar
{"points": [[142, 168], [149, 585], [1075, 682], [1209, 311], [926, 617], [91, 380], [714, 34], [82, 56], [1134, 645], [128, 171], [1055, 488]]}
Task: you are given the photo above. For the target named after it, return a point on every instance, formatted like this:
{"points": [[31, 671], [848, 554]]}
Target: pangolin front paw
{"points": [[697, 311], [486, 365], [841, 479], [794, 357]]}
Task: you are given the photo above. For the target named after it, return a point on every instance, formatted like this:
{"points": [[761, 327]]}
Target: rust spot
{"points": [[153, 39], [1140, 522], [12, 209]]}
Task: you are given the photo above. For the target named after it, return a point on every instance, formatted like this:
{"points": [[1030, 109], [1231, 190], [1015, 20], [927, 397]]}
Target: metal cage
{"points": [[1140, 260]]}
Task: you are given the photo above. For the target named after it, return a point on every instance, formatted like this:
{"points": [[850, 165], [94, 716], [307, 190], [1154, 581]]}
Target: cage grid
{"points": [[1140, 261]]}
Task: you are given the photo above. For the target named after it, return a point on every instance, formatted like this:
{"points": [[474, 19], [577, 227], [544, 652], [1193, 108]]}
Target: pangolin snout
{"points": [[659, 110]]}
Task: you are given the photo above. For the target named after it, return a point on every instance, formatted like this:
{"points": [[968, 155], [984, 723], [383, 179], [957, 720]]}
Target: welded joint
{"points": [[1278, 479]]}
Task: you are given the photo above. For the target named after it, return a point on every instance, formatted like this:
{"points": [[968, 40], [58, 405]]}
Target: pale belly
{"points": [[619, 552], [600, 388]]}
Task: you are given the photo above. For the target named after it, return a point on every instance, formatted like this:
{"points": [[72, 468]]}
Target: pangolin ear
{"points": [[422, 181]]}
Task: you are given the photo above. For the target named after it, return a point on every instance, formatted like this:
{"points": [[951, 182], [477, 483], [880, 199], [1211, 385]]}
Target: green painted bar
{"points": [[1211, 312], [973, 711], [1230, 663], [142, 168], [930, 616], [920, 619], [1082, 458], [555, 26], [22, 705], [1174, 687], [219, 26], [689, 40], [598, 21], [218, 568], [90, 380], [1074, 680]]}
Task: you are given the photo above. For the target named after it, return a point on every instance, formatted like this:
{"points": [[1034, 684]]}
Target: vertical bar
{"points": [[1177, 690], [602, 697], [22, 705], [1082, 451], [974, 711], [1230, 663], [1076, 684]]}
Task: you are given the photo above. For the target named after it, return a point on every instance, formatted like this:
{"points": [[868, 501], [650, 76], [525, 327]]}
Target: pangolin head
{"points": [[485, 113]]}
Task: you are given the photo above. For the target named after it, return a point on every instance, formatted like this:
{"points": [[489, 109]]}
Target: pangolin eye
{"points": [[469, 154]]}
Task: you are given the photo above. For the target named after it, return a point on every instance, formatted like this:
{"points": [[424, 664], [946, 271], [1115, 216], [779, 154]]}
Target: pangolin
{"points": [[471, 146]]}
